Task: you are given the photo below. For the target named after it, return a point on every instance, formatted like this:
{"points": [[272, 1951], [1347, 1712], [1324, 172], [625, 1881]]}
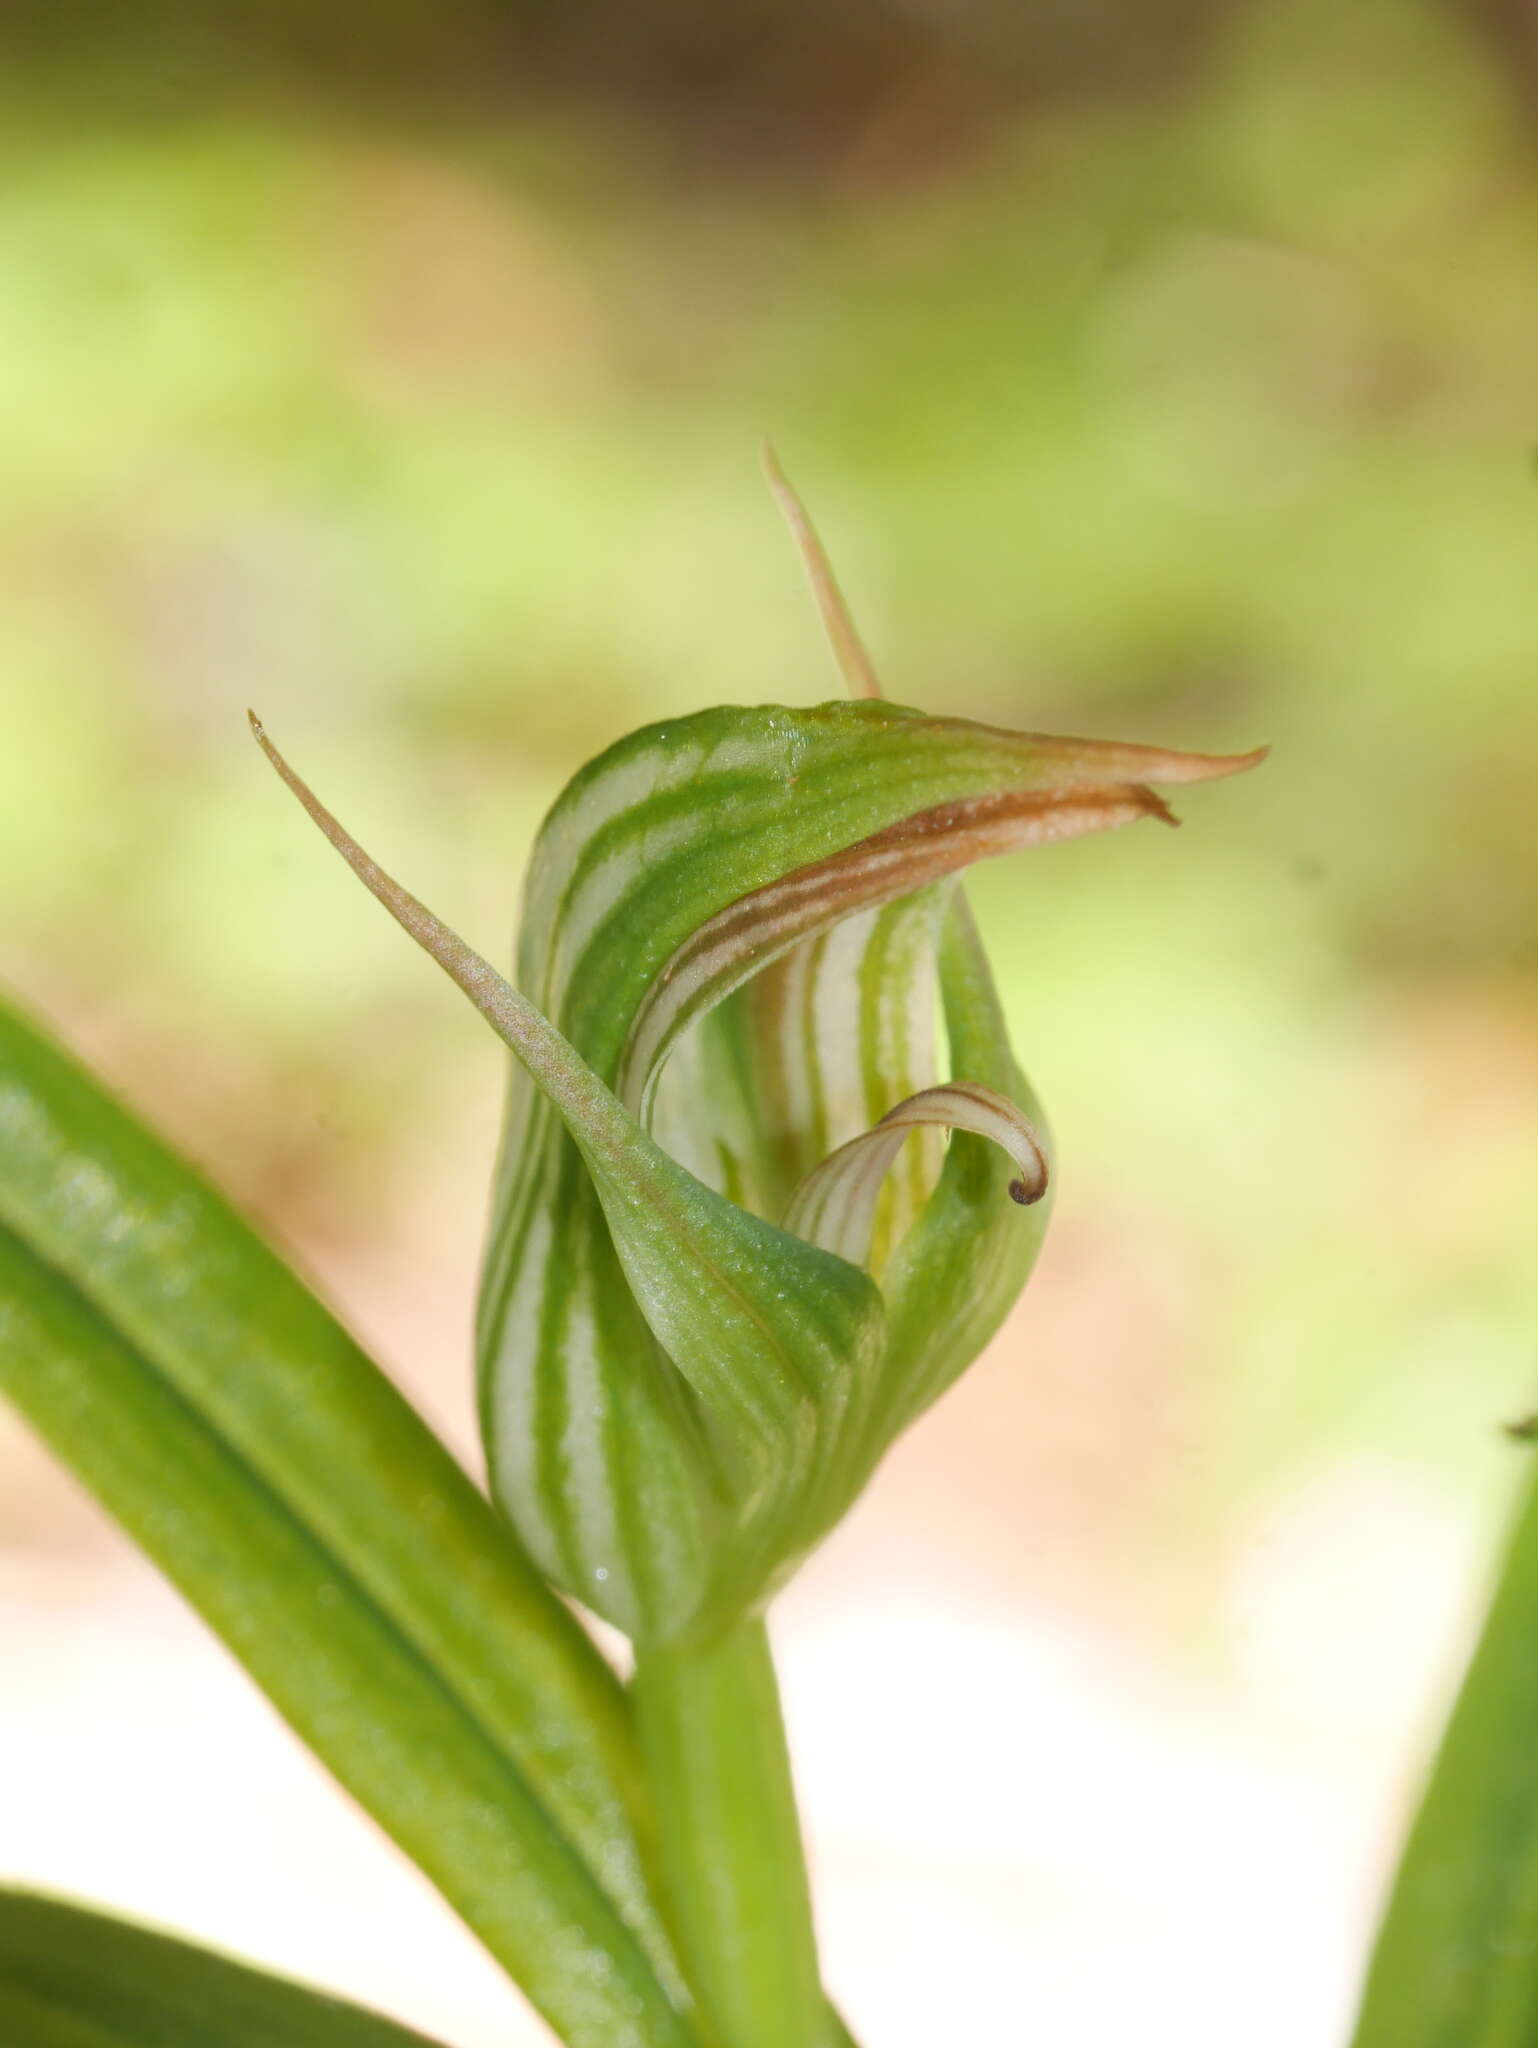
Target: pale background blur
{"points": [[1156, 371]]}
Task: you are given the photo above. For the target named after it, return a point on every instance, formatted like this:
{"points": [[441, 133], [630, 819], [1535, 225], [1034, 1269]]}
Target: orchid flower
{"points": [[732, 1254]]}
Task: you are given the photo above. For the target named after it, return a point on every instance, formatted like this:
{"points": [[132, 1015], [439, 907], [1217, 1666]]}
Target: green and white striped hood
{"points": [[731, 1254]]}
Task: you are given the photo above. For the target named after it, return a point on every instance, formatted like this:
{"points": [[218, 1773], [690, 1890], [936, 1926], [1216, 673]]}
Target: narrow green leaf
{"points": [[1456, 1961], [74, 1978], [318, 1526], [363, 1697]]}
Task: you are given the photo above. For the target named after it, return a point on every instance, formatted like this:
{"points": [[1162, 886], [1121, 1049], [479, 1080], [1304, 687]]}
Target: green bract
{"points": [[731, 1256]]}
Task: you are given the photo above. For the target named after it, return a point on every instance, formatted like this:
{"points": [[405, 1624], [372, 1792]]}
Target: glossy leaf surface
{"points": [[74, 1978], [1456, 1962], [308, 1514]]}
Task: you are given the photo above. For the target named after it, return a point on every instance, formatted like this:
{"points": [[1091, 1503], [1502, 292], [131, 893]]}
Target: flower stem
{"points": [[733, 1870]]}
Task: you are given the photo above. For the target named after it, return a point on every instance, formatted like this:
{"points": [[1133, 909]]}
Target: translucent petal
{"points": [[835, 1206]]}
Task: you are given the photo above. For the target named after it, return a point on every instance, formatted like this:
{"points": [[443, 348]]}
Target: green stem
{"points": [[733, 1870]]}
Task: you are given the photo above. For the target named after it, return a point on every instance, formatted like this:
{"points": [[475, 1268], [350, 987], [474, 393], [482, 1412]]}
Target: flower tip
{"points": [[848, 649], [1153, 804], [1213, 767], [1109, 760], [1237, 764], [1020, 1192]]}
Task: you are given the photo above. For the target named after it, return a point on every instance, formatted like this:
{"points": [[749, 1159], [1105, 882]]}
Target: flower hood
{"points": [[732, 1253]]}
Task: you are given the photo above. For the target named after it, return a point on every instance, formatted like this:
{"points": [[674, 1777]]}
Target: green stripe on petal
{"points": [[956, 1275], [951, 1277], [767, 1335], [808, 1053], [844, 1027], [682, 823], [676, 1393]]}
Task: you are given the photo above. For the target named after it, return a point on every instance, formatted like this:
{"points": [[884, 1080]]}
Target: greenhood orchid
{"points": [[732, 1253]]}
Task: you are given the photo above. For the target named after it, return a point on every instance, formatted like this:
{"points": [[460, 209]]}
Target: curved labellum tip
{"points": [[835, 1206]]}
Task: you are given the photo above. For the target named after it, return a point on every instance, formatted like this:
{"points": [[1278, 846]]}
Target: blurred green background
{"points": [[1162, 372]]}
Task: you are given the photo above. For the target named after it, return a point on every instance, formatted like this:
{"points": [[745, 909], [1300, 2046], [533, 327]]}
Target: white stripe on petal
{"points": [[835, 1206]]}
